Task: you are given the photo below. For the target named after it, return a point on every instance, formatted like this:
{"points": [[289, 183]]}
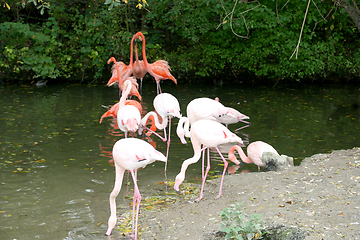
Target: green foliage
{"points": [[220, 39], [238, 225]]}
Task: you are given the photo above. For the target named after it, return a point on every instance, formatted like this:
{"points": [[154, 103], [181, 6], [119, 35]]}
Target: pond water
{"points": [[55, 175]]}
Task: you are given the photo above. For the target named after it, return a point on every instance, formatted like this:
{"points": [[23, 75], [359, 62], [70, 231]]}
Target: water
{"points": [[55, 174]]}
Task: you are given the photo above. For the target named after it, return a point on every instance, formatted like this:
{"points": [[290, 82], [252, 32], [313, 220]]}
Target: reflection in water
{"points": [[55, 176]]}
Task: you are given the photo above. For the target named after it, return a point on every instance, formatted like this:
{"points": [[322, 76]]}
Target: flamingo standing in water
{"points": [[130, 154], [255, 151], [210, 134], [139, 69], [167, 106], [128, 116], [200, 108], [160, 69]]}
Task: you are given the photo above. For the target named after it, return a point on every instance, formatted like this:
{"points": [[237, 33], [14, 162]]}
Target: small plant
{"points": [[238, 225]]}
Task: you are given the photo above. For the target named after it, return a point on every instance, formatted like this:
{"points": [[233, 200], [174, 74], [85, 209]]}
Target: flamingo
{"points": [[120, 70], [167, 106], [112, 112], [128, 116], [210, 134], [160, 69], [234, 117], [139, 69], [200, 108], [255, 151], [130, 154], [119, 79]]}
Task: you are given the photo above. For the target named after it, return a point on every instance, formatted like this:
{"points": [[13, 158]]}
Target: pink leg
{"points": [[162, 138], [206, 173], [248, 125], [202, 164], [158, 88], [168, 143], [222, 178], [136, 201], [259, 168]]}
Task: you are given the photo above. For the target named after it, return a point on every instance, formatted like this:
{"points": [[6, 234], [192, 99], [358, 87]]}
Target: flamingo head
{"points": [[139, 36], [181, 135], [232, 156], [112, 59], [178, 180]]}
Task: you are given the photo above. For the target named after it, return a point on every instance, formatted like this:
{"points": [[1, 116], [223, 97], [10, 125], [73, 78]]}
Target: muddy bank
{"points": [[320, 197]]}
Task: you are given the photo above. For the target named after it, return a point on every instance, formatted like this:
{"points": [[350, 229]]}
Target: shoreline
{"points": [[321, 197]]}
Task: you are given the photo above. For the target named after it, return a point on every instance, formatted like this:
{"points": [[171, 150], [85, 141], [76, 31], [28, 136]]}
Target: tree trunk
{"points": [[353, 12]]}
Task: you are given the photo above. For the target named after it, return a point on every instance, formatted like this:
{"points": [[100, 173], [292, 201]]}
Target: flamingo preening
{"points": [[167, 107], [255, 151]]}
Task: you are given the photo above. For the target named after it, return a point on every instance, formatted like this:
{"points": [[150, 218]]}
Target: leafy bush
{"points": [[238, 225]]}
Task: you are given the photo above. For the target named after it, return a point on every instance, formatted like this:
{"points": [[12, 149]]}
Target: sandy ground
{"points": [[321, 198]]}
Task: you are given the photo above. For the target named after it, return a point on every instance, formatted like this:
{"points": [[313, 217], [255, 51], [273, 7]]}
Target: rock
{"points": [[284, 233], [273, 162]]}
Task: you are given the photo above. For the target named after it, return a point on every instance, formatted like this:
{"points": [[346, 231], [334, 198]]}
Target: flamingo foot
{"points": [[108, 232], [218, 195], [199, 198]]}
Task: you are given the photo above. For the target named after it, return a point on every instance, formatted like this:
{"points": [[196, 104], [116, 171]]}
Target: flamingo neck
{"points": [[118, 73], [125, 93], [243, 157], [143, 49], [182, 130], [136, 53], [197, 154], [156, 118], [131, 51]]}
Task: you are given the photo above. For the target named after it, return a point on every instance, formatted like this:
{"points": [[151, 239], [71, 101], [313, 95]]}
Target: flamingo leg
{"points": [[248, 125], [141, 86], [168, 143], [162, 138], [206, 173], [222, 178], [202, 164], [136, 201], [158, 88]]}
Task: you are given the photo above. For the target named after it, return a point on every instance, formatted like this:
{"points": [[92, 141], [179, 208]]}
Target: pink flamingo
{"points": [[255, 151], [130, 154], [120, 70], [160, 69], [139, 69], [199, 108], [234, 117], [112, 112], [210, 134], [119, 79], [167, 106], [128, 116]]}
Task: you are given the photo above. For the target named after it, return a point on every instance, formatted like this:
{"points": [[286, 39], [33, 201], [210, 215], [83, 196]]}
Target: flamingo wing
{"points": [[161, 71]]}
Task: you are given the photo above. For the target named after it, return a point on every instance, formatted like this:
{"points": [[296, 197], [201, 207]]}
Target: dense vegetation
{"points": [[217, 39]]}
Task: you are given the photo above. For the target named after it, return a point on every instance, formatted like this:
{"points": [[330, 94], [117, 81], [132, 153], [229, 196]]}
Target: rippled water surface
{"points": [[55, 175]]}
